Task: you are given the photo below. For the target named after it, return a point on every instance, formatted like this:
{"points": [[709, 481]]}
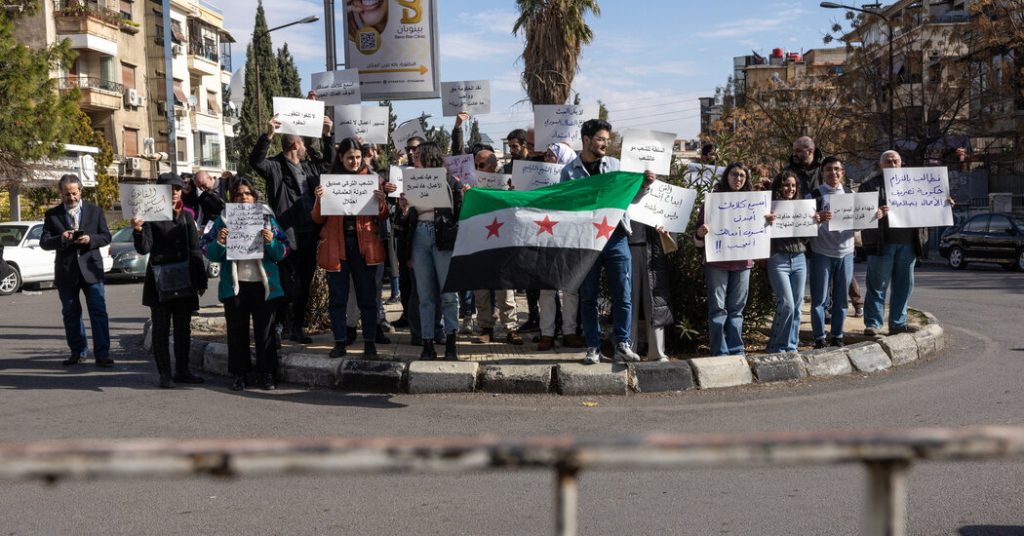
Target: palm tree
{"points": [[555, 32]]}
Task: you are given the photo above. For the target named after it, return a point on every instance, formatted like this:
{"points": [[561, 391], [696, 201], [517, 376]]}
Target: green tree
{"points": [[474, 133], [291, 82], [105, 194], [260, 52], [388, 152], [555, 32]]}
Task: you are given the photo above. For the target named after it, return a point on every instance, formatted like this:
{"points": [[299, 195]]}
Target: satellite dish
{"points": [[192, 102], [148, 146]]}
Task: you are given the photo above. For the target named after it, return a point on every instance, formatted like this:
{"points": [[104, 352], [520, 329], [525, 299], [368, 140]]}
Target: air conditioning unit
{"points": [[132, 164], [139, 99], [131, 97], [176, 50]]}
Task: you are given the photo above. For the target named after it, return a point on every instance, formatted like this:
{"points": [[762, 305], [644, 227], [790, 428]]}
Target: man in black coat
{"points": [[208, 199], [291, 180], [76, 230], [805, 161]]}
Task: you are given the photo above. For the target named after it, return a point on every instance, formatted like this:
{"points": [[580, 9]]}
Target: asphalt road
{"points": [[976, 381]]}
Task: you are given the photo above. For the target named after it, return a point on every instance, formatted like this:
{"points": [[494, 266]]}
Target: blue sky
{"points": [[649, 62]]}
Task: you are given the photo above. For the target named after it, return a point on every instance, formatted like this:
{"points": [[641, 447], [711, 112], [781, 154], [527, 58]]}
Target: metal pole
{"points": [[566, 499], [892, 88], [259, 90], [329, 37], [172, 134], [887, 498]]}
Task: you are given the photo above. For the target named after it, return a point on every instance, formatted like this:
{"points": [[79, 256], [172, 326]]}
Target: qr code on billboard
{"points": [[369, 41]]}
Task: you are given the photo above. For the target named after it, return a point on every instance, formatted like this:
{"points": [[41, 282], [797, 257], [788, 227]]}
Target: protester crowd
{"points": [[411, 248]]}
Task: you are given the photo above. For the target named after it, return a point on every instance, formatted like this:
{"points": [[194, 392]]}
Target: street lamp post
{"points": [[892, 74], [256, 37]]}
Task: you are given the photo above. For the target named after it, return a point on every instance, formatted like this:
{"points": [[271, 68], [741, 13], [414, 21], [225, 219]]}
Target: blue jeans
{"points": [[787, 273], [727, 297], [74, 327], [618, 265], [826, 271], [896, 264], [430, 268], [365, 289]]}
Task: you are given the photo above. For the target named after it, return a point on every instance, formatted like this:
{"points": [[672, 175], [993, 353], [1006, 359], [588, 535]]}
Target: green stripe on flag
{"points": [[608, 190]]}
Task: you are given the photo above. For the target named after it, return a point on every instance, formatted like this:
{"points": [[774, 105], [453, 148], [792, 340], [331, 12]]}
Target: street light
{"points": [[256, 36], [892, 74]]}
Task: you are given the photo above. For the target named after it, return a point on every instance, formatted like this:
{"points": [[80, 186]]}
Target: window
{"points": [[181, 146], [211, 102], [176, 34], [207, 149], [126, 9], [977, 224], [128, 76], [999, 225], [36, 233], [131, 142]]}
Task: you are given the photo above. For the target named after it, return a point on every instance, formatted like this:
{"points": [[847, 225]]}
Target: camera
{"points": [[78, 234]]}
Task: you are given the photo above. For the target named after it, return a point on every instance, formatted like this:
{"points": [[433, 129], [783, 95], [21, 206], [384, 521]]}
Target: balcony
{"points": [[203, 60], [97, 94], [88, 25]]}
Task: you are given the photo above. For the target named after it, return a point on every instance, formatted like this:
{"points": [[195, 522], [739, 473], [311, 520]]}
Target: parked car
{"points": [[990, 238], [129, 264], [30, 262]]}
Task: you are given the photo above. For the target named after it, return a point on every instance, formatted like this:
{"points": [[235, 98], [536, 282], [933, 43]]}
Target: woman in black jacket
{"points": [[173, 248]]}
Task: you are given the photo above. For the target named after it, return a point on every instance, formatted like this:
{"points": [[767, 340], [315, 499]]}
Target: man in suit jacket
{"points": [[291, 179], [76, 230]]}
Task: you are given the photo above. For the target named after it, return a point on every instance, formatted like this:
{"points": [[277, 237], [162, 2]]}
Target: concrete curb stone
{"points": [[371, 375], [309, 369], [600, 379], [930, 340], [777, 367], [902, 348], [827, 362], [661, 377], [721, 371], [442, 376], [215, 358], [868, 357], [520, 379]]}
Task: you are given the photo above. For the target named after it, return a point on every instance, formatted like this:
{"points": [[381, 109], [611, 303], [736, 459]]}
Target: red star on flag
{"points": [[546, 226], [492, 229], [603, 229]]}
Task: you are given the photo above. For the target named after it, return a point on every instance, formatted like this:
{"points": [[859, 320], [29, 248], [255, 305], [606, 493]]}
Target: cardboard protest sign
{"points": [[149, 202], [494, 181], [349, 195], [427, 188], [463, 167], [738, 229], [409, 129], [368, 123], [302, 117], [852, 212], [527, 175], [245, 223], [337, 88], [395, 177], [664, 205], [644, 150], [794, 218], [555, 123], [472, 97], [918, 197]]}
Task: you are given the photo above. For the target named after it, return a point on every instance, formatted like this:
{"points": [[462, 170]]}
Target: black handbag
{"points": [[173, 280]]}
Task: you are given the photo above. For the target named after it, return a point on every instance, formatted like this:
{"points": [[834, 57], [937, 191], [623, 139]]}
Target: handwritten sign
{"points": [[473, 97], [794, 218], [409, 129], [664, 205], [395, 177], [852, 212], [150, 202], [555, 123], [368, 123], [644, 150], [427, 188], [349, 195], [245, 223], [918, 197], [527, 175], [337, 88], [463, 167], [494, 181], [738, 231], [302, 117]]}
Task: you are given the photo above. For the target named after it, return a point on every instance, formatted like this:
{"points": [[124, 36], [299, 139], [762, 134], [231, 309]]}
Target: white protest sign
{"points": [[426, 188], [527, 175], [245, 223], [664, 205], [494, 181], [368, 123], [409, 129], [555, 123], [149, 202], [918, 197], [302, 117], [473, 97], [349, 195], [462, 167], [794, 218], [702, 174], [337, 88], [852, 212], [395, 177], [738, 230], [644, 150]]}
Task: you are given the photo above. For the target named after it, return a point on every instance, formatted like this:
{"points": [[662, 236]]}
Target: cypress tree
{"points": [[260, 52], [291, 83], [474, 133]]}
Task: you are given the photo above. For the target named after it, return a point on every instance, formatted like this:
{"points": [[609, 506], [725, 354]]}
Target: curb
{"points": [[574, 379]]}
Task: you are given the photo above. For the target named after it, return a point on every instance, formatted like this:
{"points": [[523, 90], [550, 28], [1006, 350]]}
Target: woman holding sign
{"points": [[352, 246], [249, 287], [175, 278], [727, 281], [787, 273]]}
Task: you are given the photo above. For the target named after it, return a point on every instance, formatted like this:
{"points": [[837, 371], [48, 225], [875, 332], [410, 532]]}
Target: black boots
{"points": [[450, 354], [428, 353], [369, 349]]}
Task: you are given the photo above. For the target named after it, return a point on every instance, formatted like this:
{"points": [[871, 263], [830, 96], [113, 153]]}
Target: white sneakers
{"points": [[623, 354]]}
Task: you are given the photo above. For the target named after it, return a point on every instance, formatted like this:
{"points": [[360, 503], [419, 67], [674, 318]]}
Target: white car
{"points": [[30, 262]]}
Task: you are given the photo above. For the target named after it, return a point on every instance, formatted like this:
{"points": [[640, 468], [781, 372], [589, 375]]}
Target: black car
{"points": [[991, 237]]}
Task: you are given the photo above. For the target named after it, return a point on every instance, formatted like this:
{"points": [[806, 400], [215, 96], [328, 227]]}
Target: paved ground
{"points": [[976, 382]]}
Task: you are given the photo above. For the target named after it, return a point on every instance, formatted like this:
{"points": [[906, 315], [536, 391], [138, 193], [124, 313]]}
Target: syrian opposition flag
{"points": [[541, 239]]}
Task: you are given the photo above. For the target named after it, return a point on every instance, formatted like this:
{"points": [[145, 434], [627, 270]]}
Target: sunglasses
{"points": [[411, 149]]}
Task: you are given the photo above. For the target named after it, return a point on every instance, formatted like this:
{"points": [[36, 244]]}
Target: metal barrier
{"points": [[886, 454]]}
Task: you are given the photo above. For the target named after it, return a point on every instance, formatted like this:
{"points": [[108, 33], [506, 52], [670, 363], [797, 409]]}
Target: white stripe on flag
{"points": [[527, 227]]}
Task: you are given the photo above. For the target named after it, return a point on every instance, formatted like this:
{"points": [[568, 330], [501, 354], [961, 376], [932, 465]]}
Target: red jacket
{"points": [[331, 249]]}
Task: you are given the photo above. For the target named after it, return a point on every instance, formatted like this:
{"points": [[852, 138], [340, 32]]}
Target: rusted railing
{"points": [[886, 454]]}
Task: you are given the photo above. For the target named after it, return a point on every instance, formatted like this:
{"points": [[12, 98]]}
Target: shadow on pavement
{"points": [[991, 530]]}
